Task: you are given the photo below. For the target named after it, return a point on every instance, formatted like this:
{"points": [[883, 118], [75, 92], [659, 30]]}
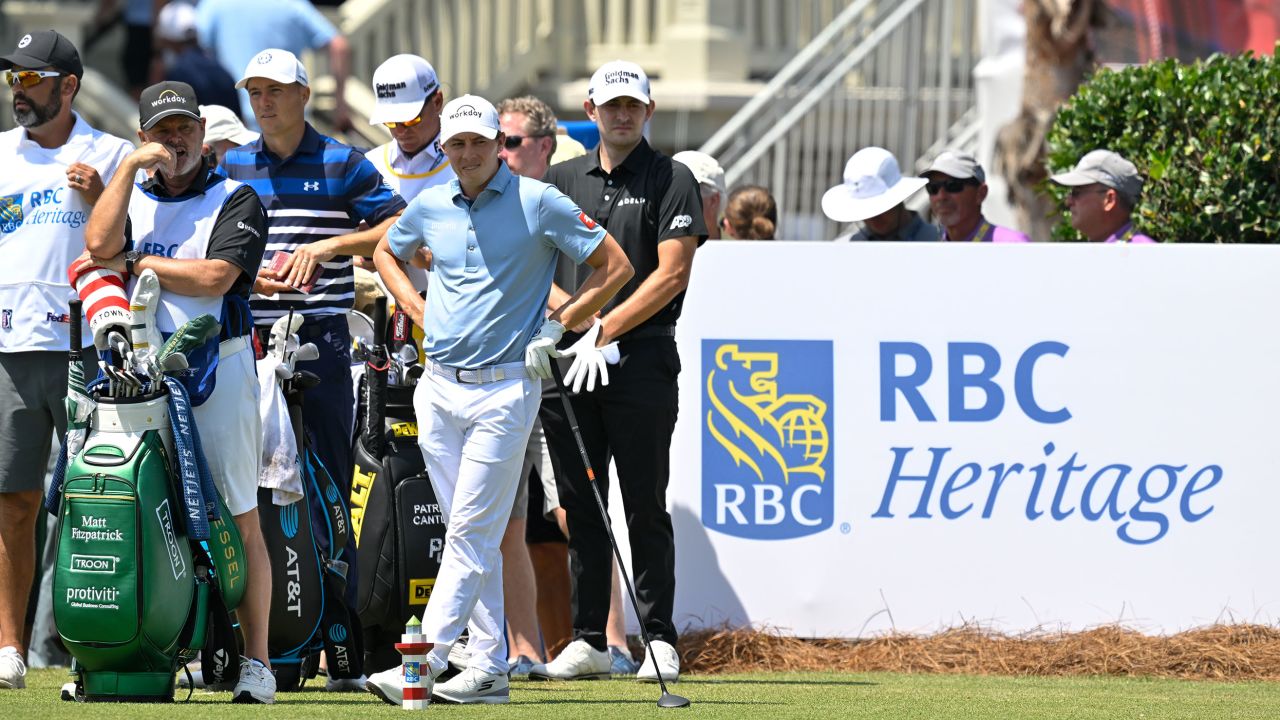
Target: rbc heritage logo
{"points": [[767, 465]]}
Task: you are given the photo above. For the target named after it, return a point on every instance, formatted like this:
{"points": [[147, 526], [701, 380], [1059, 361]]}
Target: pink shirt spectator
{"points": [[1127, 234], [986, 232]]}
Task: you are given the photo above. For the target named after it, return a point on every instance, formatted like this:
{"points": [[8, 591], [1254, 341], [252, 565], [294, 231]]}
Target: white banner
{"points": [[881, 436]]}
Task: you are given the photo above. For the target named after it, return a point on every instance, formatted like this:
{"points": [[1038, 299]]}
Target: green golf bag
{"points": [[149, 559]]}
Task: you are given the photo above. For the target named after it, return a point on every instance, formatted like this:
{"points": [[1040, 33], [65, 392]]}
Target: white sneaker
{"points": [[473, 686], [13, 669], [459, 655], [388, 685], [345, 684], [668, 663], [197, 681], [257, 684], [578, 661]]}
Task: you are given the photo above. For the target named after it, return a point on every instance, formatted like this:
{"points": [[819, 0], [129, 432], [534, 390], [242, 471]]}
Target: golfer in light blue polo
{"points": [[491, 240]]}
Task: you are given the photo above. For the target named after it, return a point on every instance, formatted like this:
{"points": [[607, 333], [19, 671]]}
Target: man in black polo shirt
{"points": [[653, 208]]}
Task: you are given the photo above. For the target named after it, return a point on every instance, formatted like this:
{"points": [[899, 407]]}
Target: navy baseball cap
{"points": [[44, 48]]}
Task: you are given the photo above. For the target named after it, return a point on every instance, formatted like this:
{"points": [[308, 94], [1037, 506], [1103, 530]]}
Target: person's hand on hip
{"points": [[541, 349]]}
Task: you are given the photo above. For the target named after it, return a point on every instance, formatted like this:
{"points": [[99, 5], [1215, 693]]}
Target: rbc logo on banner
{"points": [[766, 437]]}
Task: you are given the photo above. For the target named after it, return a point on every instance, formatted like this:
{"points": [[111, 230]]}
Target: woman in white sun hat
{"points": [[873, 193]]}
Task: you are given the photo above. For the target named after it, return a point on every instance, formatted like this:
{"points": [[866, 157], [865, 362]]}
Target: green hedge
{"points": [[1206, 137]]}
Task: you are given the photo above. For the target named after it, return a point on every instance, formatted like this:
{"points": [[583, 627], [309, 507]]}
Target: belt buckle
{"points": [[457, 375]]}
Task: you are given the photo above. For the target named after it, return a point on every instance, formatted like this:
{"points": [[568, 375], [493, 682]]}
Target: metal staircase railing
{"points": [[893, 74]]}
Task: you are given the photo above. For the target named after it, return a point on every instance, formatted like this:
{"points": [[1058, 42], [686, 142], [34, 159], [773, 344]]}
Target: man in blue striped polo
{"points": [[316, 192]]}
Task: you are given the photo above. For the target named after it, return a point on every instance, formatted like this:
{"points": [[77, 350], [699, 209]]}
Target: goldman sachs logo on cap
{"points": [[615, 77], [388, 90], [466, 111], [166, 97]]}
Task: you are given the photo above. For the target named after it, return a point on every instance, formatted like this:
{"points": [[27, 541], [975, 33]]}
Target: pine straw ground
{"points": [[1221, 652]]}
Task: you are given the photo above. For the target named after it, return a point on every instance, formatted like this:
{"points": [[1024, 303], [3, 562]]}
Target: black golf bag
{"points": [[398, 525], [306, 542]]}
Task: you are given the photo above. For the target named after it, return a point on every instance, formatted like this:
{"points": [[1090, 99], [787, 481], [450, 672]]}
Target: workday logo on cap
{"points": [[767, 465], [469, 113], [167, 96]]}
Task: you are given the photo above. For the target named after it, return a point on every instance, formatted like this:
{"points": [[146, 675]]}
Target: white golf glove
{"points": [[590, 362], [541, 349]]}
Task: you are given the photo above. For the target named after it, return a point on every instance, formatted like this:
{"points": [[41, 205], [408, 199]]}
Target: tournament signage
{"points": [[878, 436]]}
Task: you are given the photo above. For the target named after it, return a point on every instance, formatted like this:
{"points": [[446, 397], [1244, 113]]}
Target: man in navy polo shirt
{"points": [[316, 192], [493, 238]]}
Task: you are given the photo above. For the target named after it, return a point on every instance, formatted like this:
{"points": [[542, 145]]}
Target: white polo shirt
{"points": [[42, 224]]}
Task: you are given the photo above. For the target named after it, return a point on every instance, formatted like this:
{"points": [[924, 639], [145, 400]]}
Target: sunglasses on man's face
{"points": [[406, 123], [28, 78], [514, 141], [951, 186]]}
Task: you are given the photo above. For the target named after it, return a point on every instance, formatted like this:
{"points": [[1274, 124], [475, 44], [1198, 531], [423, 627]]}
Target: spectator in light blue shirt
{"points": [[492, 238], [237, 30]]}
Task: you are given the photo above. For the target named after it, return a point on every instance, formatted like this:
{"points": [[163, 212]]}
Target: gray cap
{"points": [[959, 165], [1106, 168]]}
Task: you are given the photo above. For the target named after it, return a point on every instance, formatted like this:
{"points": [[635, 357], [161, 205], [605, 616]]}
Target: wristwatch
{"points": [[130, 258]]}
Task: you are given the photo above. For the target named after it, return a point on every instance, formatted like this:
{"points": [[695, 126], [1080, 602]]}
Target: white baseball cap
{"points": [[618, 78], [956, 164], [469, 113], [176, 22], [873, 184], [222, 123], [705, 169], [401, 84], [275, 64]]}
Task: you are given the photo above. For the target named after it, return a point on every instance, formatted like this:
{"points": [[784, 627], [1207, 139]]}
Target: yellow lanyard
{"points": [[982, 231]]}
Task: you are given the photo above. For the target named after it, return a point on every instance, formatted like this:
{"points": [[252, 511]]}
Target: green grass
{"points": [[735, 697]]}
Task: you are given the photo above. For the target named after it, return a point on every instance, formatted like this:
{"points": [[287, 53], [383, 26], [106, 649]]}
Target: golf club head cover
{"points": [[142, 309], [105, 304], [281, 330]]}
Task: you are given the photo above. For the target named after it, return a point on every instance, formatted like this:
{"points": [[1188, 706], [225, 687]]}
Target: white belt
{"points": [[486, 374], [227, 348]]}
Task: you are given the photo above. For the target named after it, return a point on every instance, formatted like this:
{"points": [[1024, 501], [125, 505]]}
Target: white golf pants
{"points": [[473, 437]]}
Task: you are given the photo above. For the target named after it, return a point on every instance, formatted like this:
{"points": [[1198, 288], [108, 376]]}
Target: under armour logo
{"points": [[311, 186], [264, 58], [25, 41]]}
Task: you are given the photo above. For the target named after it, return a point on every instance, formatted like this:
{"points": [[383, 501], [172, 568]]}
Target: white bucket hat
{"points": [[872, 185]]}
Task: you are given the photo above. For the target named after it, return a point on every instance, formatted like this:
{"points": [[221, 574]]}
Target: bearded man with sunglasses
{"points": [[957, 185], [55, 167]]}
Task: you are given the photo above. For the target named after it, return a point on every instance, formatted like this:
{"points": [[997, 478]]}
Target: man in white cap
{"points": [[223, 131], [957, 185], [316, 192], [873, 193], [493, 238], [409, 99], [710, 177], [1104, 190], [652, 205]]}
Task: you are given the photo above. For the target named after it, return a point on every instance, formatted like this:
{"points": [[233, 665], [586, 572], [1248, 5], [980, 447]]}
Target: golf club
{"points": [[667, 700]]}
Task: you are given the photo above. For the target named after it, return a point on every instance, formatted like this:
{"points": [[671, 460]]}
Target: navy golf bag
{"points": [[305, 541], [398, 525]]}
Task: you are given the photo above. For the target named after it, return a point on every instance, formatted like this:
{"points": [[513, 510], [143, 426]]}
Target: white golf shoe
{"points": [[13, 669], [668, 662], [256, 685], [473, 686], [578, 661], [388, 685]]}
